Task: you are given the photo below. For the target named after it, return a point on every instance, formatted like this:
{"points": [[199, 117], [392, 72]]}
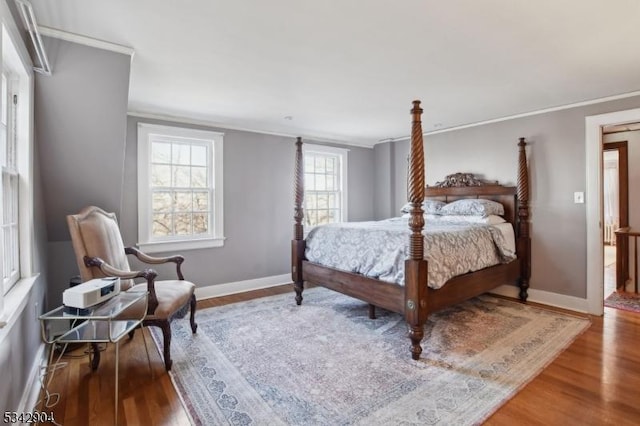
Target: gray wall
{"points": [[80, 127], [258, 204], [557, 169], [384, 202]]}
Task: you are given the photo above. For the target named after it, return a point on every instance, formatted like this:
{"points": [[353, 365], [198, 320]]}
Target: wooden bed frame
{"points": [[415, 300]]}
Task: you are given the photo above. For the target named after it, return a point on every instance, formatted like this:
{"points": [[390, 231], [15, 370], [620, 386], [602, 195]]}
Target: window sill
{"points": [[172, 246], [15, 300]]}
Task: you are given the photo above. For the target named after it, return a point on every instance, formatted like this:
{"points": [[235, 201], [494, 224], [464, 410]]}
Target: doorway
{"points": [[615, 202], [595, 243]]}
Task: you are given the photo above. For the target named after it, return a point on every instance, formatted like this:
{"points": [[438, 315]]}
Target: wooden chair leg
{"points": [[166, 334], [194, 326]]}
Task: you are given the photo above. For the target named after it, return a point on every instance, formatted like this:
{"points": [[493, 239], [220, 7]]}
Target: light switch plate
{"points": [[578, 197]]}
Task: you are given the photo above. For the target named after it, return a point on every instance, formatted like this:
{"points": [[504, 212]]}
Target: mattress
{"points": [[378, 249]]}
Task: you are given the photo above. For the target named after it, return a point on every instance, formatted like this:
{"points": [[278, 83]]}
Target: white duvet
{"points": [[378, 249]]}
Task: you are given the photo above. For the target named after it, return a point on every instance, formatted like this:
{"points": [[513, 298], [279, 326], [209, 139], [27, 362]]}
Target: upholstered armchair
{"points": [[100, 252]]}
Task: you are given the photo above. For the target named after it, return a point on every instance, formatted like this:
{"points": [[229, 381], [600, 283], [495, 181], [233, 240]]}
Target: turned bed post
{"points": [[415, 308], [524, 240], [298, 243]]}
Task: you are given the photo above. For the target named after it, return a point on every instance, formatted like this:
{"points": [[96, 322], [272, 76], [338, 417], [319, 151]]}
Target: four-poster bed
{"points": [[415, 299]]}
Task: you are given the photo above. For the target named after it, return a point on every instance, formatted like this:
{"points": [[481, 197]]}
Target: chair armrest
{"points": [[177, 259], [110, 271]]}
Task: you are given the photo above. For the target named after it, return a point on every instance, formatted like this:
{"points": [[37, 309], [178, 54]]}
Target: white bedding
{"points": [[509, 235], [378, 249]]}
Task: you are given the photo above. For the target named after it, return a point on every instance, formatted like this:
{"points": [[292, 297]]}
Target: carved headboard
{"points": [[466, 185], [457, 180]]}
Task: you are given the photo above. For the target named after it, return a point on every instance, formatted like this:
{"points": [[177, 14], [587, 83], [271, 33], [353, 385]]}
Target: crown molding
{"points": [[84, 40], [525, 114], [208, 123]]}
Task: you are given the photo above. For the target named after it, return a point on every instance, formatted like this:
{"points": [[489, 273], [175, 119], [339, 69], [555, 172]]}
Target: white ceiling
{"points": [[348, 70]]}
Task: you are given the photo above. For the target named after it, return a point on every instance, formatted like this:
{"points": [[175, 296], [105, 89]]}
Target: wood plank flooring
{"points": [[595, 381]]}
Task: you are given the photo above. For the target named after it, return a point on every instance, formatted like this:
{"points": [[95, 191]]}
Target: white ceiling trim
{"points": [[207, 123], [86, 41], [524, 114]]}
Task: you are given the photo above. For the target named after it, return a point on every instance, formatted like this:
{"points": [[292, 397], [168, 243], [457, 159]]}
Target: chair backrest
{"points": [[95, 233]]}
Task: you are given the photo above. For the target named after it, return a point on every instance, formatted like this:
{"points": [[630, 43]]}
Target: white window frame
{"points": [[215, 238], [342, 154], [14, 60], [9, 181]]}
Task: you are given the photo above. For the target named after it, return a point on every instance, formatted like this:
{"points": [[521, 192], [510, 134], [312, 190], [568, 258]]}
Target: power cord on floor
{"points": [[47, 372]]}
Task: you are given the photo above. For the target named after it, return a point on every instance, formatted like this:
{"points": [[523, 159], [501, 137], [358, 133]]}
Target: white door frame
{"points": [[595, 242]]}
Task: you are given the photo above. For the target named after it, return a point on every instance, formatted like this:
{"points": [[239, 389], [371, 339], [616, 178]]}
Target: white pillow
{"points": [[489, 220], [472, 207]]}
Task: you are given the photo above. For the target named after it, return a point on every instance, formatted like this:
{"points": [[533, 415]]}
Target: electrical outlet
{"points": [[578, 197]]}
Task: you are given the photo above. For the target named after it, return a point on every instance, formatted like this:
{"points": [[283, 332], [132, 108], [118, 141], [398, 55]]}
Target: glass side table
{"points": [[96, 324]]}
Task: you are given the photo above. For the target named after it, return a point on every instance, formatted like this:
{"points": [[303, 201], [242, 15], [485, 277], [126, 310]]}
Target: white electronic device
{"points": [[91, 292]]}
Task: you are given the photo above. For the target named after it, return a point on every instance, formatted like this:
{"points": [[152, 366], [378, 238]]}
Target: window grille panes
{"points": [[9, 226], [323, 188], [181, 190]]}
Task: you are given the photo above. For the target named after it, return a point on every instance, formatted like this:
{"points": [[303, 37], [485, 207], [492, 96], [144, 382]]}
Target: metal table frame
{"points": [[99, 324]]}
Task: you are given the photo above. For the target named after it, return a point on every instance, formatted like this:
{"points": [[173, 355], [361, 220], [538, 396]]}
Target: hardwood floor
{"points": [[595, 381]]}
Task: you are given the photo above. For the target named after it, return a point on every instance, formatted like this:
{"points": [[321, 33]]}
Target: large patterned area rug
{"points": [[625, 301], [270, 362]]}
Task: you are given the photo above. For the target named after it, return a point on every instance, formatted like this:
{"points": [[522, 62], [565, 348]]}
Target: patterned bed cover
{"points": [[378, 249]]}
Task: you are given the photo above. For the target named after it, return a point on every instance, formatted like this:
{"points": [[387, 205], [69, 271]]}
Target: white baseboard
{"points": [[546, 298], [32, 389], [241, 286]]}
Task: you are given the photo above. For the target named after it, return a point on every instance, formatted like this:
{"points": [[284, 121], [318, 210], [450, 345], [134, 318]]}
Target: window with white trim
{"points": [[180, 191], [325, 184], [9, 226], [16, 172]]}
